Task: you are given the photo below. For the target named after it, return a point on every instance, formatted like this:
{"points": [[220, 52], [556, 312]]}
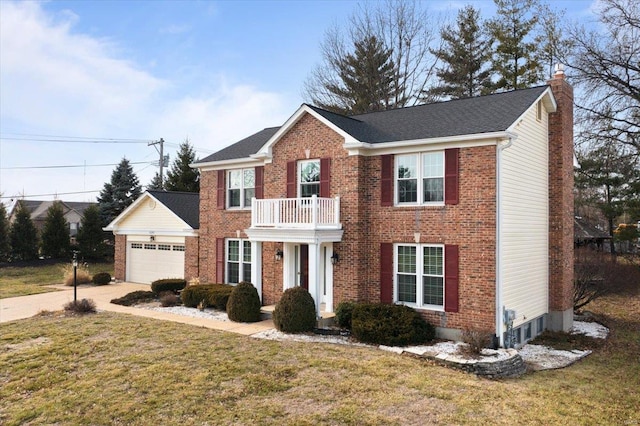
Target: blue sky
{"points": [[214, 72]]}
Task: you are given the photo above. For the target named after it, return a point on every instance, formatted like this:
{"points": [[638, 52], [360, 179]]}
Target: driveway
{"points": [[17, 308]]}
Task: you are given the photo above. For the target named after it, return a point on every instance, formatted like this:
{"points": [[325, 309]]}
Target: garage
{"points": [[155, 236]]}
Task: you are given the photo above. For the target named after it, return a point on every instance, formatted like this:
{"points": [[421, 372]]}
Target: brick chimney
{"points": [[561, 212]]}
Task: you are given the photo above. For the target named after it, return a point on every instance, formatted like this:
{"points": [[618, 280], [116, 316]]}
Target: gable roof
{"points": [[185, 205], [38, 209], [583, 230], [468, 116]]}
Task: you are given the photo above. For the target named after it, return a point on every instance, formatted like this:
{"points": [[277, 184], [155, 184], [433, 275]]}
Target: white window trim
{"points": [[241, 262], [299, 175], [242, 189], [419, 275], [420, 181]]}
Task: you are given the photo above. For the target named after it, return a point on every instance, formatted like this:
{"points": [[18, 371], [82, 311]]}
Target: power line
{"points": [[46, 195], [67, 139], [68, 166]]}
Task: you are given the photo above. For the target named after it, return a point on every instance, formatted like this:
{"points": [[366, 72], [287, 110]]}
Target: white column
{"points": [[256, 266], [315, 285], [328, 304], [288, 266]]}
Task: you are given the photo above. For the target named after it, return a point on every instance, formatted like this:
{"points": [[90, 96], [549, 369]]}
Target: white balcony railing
{"points": [[306, 213]]}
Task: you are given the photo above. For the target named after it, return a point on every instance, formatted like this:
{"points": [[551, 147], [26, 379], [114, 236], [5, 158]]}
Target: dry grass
{"points": [[25, 280], [117, 369]]}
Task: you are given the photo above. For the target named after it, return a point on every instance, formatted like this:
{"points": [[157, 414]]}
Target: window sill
{"points": [[433, 308], [434, 204]]}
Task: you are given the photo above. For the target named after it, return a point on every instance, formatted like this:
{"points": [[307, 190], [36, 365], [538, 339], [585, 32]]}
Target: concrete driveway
{"points": [[17, 308]]}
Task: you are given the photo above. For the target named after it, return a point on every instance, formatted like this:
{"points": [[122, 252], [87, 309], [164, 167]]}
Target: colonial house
{"points": [[462, 210]]}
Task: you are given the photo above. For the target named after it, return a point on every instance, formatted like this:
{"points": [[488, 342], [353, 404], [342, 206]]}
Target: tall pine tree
{"points": [[181, 177], [119, 193], [55, 233], [5, 245], [90, 235], [23, 235], [516, 59], [466, 58], [155, 183], [366, 79]]}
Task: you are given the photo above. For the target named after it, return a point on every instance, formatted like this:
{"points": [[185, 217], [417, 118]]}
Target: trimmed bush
{"points": [[390, 325], [244, 303], [102, 278], [213, 295], [135, 297], [168, 284], [295, 312], [168, 299], [344, 311], [84, 306]]}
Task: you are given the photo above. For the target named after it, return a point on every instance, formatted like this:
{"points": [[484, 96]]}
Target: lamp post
{"points": [[75, 269]]}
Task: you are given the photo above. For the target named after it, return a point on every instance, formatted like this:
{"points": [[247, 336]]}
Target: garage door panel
{"points": [[148, 262]]}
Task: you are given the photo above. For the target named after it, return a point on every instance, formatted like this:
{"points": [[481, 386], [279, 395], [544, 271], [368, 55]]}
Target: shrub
{"points": [[214, 295], [344, 311], [82, 275], [135, 297], [476, 340], [102, 278], [84, 306], [295, 312], [244, 303], [391, 325], [169, 298], [168, 284]]}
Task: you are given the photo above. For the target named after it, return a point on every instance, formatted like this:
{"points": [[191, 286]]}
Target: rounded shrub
{"points": [[344, 311], [295, 312], [244, 303], [213, 295], [390, 325], [102, 278], [168, 284]]}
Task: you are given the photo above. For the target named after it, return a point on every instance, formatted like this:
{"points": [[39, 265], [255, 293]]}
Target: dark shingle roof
{"points": [[583, 230], [186, 205], [482, 114]]}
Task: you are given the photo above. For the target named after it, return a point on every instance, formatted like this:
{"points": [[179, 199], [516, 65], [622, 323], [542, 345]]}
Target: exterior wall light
{"points": [[335, 257], [278, 255]]}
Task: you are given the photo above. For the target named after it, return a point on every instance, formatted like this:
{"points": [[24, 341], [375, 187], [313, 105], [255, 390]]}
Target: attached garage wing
{"points": [[150, 261]]}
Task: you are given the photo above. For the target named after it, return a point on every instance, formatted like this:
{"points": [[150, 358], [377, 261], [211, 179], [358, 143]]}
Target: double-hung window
{"points": [[240, 188], [419, 275], [238, 261], [309, 178], [420, 178]]}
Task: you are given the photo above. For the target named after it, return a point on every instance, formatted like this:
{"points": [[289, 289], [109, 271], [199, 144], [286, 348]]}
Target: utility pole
{"points": [[161, 163]]}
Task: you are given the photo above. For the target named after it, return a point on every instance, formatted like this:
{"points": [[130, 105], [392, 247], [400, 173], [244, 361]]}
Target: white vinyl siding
{"points": [[524, 219], [151, 214]]}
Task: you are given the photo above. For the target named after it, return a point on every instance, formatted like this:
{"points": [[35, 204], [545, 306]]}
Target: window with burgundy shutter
{"points": [[386, 272], [386, 180], [221, 190], [451, 275], [259, 182], [291, 179], [325, 177], [451, 179], [419, 275], [220, 260]]}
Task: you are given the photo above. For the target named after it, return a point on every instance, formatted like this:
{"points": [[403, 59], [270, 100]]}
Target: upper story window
{"points": [[420, 178], [309, 178], [240, 188]]}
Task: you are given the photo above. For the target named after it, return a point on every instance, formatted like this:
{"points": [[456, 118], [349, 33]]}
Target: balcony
{"points": [[296, 213]]}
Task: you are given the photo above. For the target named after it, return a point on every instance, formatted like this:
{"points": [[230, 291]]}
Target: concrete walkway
{"points": [[16, 308]]}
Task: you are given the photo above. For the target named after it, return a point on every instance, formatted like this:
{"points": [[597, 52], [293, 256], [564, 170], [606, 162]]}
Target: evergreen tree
{"points": [[55, 233], [366, 79], [119, 193], [23, 235], [516, 59], [90, 235], [181, 177], [466, 58], [155, 183], [5, 246]]}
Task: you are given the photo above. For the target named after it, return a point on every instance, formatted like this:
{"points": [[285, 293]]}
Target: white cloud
{"points": [[56, 81]]}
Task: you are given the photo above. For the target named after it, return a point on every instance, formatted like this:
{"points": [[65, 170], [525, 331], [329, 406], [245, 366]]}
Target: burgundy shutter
{"points": [[386, 180], [220, 260], [259, 182], [221, 189], [451, 278], [291, 179], [451, 180], [325, 177], [386, 272]]}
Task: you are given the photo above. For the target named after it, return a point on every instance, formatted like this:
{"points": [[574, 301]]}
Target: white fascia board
{"points": [[301, 236], [111, 226], [265, 150], [187, 232], [235, 163], [548, 101], [431, 144]]}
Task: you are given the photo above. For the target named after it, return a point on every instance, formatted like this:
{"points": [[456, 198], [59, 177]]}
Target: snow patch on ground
{"points": [[208, 313], [540, 357], [591, 329], [274, 334]]}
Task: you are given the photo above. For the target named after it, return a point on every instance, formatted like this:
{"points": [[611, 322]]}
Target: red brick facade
{"points": [[120, 257], [191, 259]]}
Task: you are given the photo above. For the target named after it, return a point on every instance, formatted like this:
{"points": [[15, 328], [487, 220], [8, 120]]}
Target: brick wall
{"points": [[120, 257], [561, 204], [191, 260]]}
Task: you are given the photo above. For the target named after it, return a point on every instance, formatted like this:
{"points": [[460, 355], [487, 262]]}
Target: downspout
{"points": [[502, 145]]}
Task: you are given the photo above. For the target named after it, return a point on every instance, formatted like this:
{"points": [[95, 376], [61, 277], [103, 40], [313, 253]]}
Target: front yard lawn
{"points": [[25, 280], [109, 368]]}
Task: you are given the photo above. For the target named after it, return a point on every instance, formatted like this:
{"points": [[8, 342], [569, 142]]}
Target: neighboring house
{"points": [[157, 237], [73, 212], [586, 234], [462, 210]]}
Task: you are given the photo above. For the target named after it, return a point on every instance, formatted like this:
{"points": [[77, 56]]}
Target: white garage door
{"points": [[147, 262]]}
